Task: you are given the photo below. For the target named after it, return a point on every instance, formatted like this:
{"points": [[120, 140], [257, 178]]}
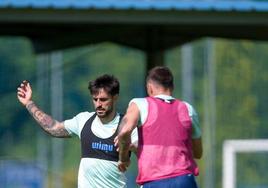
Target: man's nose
{"points": [[98, 103]]}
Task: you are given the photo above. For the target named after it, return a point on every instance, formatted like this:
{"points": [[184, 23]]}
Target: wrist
{"points": [[125, 161], [28, 103]]}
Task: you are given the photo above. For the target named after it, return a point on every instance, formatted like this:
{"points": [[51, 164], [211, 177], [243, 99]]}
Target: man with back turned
{"points": [[169, 135]]}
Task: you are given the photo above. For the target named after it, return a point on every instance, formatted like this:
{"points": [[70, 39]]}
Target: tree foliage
{"points": [[241, 86]]}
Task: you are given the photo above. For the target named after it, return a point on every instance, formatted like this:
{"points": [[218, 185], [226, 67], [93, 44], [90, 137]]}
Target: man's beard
{"points": [[104, 113]]}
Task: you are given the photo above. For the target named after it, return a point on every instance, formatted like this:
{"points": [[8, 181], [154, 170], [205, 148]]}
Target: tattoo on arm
{"points": [[46, 122]]}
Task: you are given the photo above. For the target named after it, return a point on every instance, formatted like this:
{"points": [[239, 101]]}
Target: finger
{"points": [[24, 85], [19, 89], [122, 168], [116, 138], [20, 92], [25, 82], [116, 141], [21, 95]]}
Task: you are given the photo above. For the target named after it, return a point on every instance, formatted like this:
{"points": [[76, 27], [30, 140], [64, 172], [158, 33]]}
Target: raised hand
{"points": [[24, 92], [50, 125]]}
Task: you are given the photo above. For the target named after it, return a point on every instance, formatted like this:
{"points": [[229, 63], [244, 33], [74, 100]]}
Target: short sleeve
{"points": [[75, 125], [142, 105], [196, 133]]}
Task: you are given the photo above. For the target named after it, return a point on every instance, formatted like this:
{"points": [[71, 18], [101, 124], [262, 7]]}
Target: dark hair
{"points": [[109, 83], [162, 76]]}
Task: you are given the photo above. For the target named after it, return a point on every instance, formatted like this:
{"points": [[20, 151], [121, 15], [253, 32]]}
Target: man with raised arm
{"points": [[96, 130]]}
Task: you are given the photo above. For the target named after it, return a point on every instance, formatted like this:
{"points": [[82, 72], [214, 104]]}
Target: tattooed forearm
{"points": [[47, 123], [60, 132], [43, 119]]}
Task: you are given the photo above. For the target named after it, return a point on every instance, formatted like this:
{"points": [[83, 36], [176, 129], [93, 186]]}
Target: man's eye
{"points": [[100, 99], [103, 99]]}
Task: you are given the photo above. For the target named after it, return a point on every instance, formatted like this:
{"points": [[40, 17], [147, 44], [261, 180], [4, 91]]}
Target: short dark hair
{"points": [[109, 83], [162, 76]]}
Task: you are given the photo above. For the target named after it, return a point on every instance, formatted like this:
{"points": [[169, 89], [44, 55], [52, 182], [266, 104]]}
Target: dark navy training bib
{"points": [[95, 147]]}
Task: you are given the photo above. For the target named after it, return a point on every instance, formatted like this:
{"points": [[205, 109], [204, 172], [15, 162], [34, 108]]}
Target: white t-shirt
{"points": [[97, 173], [142, 105]]}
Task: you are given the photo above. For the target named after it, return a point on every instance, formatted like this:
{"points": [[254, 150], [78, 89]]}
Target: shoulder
{"points": [[80, 118], [75, 125], [140, 102], [85, 114], [190, 108]]}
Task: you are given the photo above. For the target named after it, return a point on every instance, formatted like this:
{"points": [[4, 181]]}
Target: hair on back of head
{"points": [[162, 76]]}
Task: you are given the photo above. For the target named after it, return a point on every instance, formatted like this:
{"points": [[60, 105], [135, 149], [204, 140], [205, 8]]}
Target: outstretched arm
{"points": [[47, 123], [51, 126], [127, 125]]}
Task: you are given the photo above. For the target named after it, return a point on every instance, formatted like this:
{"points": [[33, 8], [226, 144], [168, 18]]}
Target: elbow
{"points": [[197, 148], [198, 154]]}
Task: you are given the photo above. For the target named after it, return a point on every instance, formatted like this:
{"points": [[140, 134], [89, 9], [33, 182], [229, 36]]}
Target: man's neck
{"points": [[109, 118], [161, 92]]}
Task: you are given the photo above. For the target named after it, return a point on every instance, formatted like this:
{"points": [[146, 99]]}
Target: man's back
{"points": [[167, 135]]}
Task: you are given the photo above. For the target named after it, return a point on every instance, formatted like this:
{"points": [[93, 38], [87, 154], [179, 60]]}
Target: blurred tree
{"points": [[241, 93], [16, 63]]}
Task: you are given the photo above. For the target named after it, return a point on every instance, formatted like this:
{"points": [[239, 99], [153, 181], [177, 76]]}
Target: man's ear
{"points": [[149, 88]]}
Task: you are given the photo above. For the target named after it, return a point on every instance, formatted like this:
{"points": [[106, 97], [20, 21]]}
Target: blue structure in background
{"points": [[199, 5], [18, 174]]}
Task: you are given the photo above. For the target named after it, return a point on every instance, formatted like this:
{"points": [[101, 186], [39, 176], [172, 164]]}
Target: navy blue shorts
{"points": [[185, 181]]}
